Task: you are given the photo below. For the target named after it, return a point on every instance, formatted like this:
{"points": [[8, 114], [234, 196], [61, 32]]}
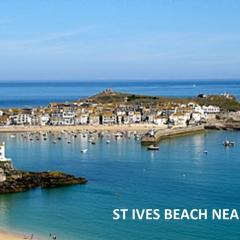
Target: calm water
{"points": [[123, 174], [25, 94]]}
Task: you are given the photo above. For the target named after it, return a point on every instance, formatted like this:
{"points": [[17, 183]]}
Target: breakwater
{"points": [[165, 133]]}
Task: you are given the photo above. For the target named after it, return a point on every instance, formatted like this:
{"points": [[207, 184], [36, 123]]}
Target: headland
{"points": [[113, 112]]}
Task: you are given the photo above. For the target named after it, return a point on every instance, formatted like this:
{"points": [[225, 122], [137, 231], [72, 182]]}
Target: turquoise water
{"points": [[125, 175]]}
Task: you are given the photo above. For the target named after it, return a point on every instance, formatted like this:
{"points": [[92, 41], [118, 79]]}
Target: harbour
{"points": [[165, 178]]}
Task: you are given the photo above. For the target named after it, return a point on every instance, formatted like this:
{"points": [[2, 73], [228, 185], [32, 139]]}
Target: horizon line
{"points": [[118, 80]]}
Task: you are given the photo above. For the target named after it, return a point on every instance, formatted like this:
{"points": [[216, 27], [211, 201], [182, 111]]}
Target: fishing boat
{"points": [[152, 147]]}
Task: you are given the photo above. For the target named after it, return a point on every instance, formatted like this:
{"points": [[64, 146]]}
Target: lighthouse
{"points": [[2, 153], [5, 163]]}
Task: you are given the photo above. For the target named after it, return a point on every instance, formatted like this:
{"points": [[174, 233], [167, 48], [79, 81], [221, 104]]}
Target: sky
{"points": [[119, 39]]}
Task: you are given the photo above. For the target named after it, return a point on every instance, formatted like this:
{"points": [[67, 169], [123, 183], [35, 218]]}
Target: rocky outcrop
{"points": [[19, 181], [225, 121]]}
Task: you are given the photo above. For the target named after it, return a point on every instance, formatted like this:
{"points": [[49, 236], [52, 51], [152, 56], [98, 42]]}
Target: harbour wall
{"points": [[165, 133]]}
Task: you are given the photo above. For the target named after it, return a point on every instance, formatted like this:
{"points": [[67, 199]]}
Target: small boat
{"points": [[54, 142], [118, 135], [93, 142], [228, 143], [12, 136], [84, 150], [108, 141], [152, 147], [205, 152]]}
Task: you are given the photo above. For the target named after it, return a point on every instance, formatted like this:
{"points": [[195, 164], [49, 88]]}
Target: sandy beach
{"points": [[4, 235], [112, 128]]}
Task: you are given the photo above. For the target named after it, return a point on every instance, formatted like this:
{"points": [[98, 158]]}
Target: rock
{"points": [[19, 181]]}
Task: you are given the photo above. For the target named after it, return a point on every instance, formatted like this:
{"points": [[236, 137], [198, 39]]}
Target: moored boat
{"points": [[84, 150], [228, 143], [152, 147]]}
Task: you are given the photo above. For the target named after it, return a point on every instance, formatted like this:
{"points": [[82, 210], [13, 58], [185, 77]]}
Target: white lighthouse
{"points": [[5, 163], [2, 153]]}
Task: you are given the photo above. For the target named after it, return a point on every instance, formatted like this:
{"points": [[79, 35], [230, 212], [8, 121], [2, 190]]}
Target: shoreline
{"points": [[111, 128], [8, 235]]}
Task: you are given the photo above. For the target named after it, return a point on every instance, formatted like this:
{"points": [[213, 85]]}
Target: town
{"points": [[112, 108]]}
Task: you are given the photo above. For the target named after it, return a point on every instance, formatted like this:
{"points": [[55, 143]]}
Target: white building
{"points": [[199, 109], [197, 117], [126, 119], [211, 109], [109, 118], [160, 120], [44, 119], [56, 119], [179, 118], [68, 117], [135, 117], [94, 119], [82, 119], [21, 119]]}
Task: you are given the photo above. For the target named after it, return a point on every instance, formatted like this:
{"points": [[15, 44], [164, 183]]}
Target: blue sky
{"points": [[119, 39]]}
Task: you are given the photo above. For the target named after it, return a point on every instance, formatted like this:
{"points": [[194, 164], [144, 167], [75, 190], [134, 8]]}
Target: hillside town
{"points": [[90, 112]]}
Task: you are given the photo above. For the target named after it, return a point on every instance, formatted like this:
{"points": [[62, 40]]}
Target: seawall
{"points": [[165, 133]]}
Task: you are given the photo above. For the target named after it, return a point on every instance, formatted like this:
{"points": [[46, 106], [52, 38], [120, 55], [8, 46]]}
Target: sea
{"points": [[123, 174], [26, 94]]}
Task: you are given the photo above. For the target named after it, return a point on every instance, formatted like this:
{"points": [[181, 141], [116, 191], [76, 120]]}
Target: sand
{"points": [[4, 235], [111, 128]]}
